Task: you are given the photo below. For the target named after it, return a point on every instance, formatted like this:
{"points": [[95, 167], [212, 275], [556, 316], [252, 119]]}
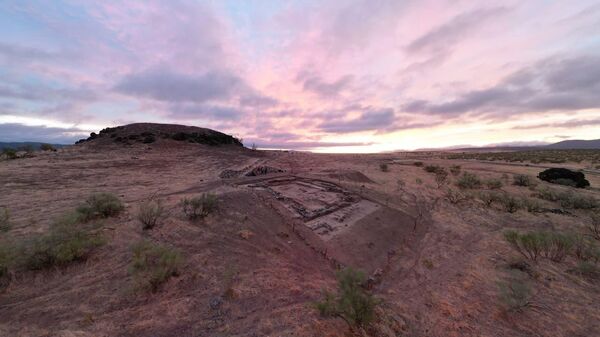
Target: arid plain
{"points": [[433, 248]]}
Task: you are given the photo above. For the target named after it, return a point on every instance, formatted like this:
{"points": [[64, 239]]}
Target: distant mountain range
{"points": [[19, 145], [575, 144]]}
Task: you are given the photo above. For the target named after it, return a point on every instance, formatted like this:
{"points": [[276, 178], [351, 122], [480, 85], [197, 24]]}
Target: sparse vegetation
{"points": [[522, 180], [150, 213], [432, 168], [494, 184], [351, 302], [67, 241], [200, 206], [100, 205], [594, 226], [532, 205], [9, 153], [419, 181], [514, 292], [469, 181], [587, 269], [441, 177], [533, 156], [455, 170], [4, 219], [455, 197], [510, 203], [418, 163], [152, 265], [384, 167], [552, 245], [488, 198], [571, 200], [47, 147]]}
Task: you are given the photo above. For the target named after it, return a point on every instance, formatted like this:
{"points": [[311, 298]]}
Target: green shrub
{"points": [[47, 147], [488, 198], [514, 293], [9, 153], [585, 249], [455, 170], [532, 205], [510, 204], [5, 263], [529, 245], [152, 265], [199, 207], [594, 226], [546, 193], [432, 168], [522, 180], [100, 205], [468, 181], [493, 184], [575, 201], [384, 167], [455, 197], [351, 302], [4, 219], [551, 245], [587, 269], [66, 242], [150, 213]]}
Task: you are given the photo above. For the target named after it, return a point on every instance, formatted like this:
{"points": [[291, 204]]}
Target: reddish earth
{"points": [[277, 240]]}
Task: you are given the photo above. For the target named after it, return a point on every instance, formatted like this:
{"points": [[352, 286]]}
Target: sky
{"points": [[325, 76]]}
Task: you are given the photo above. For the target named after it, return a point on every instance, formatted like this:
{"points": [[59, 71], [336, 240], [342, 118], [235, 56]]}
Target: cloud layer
{"points": [[362, 75]]}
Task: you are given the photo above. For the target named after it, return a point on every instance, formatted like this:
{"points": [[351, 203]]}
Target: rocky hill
{"points": [[149, 133]]}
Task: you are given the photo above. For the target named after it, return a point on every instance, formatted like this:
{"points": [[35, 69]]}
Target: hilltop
{"points": [[149, 133]]}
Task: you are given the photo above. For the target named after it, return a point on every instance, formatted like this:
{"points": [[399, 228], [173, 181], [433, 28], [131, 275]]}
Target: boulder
{"points": [[564, 176]]}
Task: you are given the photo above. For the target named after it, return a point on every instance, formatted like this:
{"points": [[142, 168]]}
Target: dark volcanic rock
{"points": [[564, 176]]}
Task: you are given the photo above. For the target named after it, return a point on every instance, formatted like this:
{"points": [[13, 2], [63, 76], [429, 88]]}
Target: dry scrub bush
{"points": [[351, 302], [441, 177], [585, 249], [455, 170], [522, 180], [199, 207], [456, 197], [4, 219], [551, 245], [509, 203], [100, 205], [432, 168], [586, 269], [468, 181], [384, 167], [152, 265], [493, 184], [575, 201], [47, 147], [150, 213], [532, 205], [67, 241], [6, 260], [514, 293], [594, 226]]}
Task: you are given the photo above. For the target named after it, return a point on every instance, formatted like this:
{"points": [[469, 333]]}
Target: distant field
{"points": [[534, 156]]}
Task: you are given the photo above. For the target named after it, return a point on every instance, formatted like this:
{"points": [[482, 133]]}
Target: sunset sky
{"points": [[335, 76]]}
